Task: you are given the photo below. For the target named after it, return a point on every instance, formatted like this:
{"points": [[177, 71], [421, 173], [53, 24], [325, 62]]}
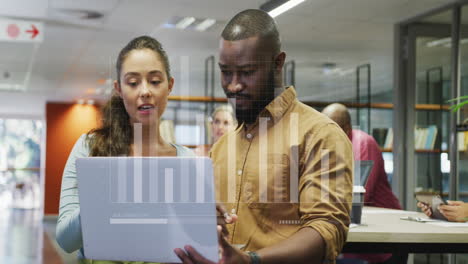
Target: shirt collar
{"points": [[278, 107]]}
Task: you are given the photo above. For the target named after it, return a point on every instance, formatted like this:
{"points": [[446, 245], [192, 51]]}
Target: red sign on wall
{"points": [[21, 31]]}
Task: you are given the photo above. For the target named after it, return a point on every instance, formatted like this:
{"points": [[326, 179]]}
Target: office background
{"points": [[393, 62]]}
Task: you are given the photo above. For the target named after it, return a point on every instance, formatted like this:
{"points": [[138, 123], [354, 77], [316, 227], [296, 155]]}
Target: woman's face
{"points": [[222, 123], [144, 86]]}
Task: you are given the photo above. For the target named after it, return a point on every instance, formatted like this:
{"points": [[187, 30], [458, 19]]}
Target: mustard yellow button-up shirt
{"points": [[292, 169]]}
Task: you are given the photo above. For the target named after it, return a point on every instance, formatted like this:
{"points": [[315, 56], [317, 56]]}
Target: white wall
{"points": [[22, 105]]}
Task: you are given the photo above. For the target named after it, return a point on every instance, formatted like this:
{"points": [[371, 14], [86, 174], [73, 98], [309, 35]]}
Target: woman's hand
{"points": [[425, 208], [455, 211]]}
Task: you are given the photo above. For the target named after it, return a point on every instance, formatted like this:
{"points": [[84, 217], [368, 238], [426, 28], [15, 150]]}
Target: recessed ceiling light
{"points": [[205, 24], [191, 23], [81, 13], [277, 7], [185, 22], [11, 87]]}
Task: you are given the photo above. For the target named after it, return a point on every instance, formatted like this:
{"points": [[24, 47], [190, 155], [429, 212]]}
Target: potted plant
{"points": [[456, 107]]}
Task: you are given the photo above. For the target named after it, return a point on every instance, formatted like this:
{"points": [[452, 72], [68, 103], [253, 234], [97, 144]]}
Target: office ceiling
{"points": [[77, 55]]}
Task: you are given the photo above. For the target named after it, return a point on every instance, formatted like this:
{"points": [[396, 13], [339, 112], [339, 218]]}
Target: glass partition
{"points": [[20, 159]]}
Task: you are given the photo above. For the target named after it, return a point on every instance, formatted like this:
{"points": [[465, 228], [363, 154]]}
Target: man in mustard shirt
{"points": [[287, 169]]}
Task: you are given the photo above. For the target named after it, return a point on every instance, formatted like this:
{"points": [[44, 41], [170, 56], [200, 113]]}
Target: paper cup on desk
{"points": [[358, 203]]}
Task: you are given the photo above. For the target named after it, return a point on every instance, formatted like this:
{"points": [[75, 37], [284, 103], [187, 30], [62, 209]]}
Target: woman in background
{"points": [[223, 121], [141, 91]]}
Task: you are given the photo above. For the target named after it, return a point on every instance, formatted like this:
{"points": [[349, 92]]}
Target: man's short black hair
{"points": [[250, 23]]}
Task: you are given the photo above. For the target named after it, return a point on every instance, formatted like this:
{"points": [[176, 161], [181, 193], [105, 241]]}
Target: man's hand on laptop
{"points": [[225, 218], [229, 254]]}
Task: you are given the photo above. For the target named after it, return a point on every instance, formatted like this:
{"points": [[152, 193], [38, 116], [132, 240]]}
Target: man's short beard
{"points": [[246, 116], [249, 116]]}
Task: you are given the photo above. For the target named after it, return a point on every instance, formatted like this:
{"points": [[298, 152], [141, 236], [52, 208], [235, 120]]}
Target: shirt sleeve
{"points": [[68, 230], [325, 186]]}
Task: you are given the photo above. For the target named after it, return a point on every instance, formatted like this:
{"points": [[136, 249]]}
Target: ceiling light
{"points": [[11, 87], [346, 72], [277, 7], [205, 24], [185, 22], [329, 68], [438, 42], [81, 13], [191, 23], [462, 42]]}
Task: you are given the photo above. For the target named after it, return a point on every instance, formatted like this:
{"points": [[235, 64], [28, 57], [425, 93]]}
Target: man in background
{"points": [[378, 191]]}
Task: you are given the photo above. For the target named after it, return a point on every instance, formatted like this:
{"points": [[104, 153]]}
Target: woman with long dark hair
{"points": [[143, 85]]}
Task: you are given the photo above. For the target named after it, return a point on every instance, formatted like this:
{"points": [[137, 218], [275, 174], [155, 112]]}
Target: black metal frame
{"points": [[209, 83], [289, 74], [438, 69], [358, 96]]}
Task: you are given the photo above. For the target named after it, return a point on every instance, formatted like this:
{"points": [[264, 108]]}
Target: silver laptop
{"points": [[141, 209]]}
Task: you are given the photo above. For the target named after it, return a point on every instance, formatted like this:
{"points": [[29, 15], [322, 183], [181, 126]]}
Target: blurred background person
{"points": [[223, 120], [378, 190], [454, 211]]}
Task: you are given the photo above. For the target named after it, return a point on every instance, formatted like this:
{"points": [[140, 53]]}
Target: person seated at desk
{"points": [[378, 191], [223, 121], [454, 211], [143, 85]]}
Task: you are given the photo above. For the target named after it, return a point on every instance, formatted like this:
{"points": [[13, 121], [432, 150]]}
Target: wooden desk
{"points": [[384, 231]]}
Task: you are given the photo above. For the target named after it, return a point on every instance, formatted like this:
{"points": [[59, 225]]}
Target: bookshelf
{"points": [[435, 151], [201, 99], [431, 115], [431, 107]]}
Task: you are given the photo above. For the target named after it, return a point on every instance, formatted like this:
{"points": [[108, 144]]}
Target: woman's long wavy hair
{"points": [[115, 136]]}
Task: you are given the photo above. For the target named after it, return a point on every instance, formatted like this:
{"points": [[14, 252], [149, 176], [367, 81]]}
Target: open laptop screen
{"points": [[362, 170], [142, 208]]}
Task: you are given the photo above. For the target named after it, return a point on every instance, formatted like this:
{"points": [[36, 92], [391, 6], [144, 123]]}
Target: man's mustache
{"points": [[238, 95]]}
